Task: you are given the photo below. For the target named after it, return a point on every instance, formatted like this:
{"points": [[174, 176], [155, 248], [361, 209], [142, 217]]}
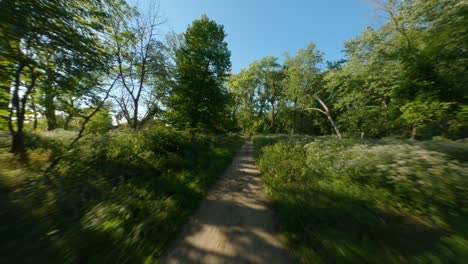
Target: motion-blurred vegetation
{"points": [[138, 129], [117, 197], [372, 201]]}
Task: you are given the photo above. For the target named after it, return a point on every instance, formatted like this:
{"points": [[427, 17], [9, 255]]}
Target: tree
{"points": [[259, 91], [302, 72], [198, 100], [362, 87], [304, 83], [417, 56], [420, 113], [140, 62], [270, 89], [34, 32], [242, 86], [101, 122]]}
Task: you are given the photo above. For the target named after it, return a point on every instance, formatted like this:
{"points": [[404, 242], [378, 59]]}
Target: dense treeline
{"points": [[406, 78], [65, 64]]}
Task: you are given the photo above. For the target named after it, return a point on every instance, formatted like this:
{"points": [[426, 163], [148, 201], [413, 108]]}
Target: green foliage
{"points": [[258, 90], [409, 73], [199, 101], [120, 196], [288, 170], [420, 114], [382, 200], [101, 122], [55, 47]]}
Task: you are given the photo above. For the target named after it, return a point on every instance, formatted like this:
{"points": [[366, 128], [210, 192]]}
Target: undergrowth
{"points": [[369, 201], [119, 197]]}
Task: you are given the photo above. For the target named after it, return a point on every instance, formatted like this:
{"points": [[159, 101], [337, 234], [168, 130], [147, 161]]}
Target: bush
{"points": [[119, 196], [379, 200], [283, 170]]}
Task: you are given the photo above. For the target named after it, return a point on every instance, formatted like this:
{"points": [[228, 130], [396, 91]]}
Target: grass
{"points": [[119, 197], [372, 201]]}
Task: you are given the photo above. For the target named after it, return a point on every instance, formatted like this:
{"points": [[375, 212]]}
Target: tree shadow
{"points": [[154, 207], [330, 227], [233, 225], [20, 230]]}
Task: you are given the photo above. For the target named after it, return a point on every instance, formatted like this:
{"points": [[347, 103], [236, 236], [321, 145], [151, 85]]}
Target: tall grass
{"points": [[353, 201], [119, 197]]}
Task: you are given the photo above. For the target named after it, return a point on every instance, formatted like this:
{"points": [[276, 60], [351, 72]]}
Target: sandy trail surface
{"points": [[234, 223]]}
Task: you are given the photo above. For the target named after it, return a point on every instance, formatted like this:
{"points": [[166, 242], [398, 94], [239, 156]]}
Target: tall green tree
{"points": [[270, 90], [199, 99], [242, 86], [409, 75], [259, 93], [302, 79], [46, 42]]}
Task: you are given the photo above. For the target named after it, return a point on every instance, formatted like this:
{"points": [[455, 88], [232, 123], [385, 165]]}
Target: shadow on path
{"points": [[234, 224]]}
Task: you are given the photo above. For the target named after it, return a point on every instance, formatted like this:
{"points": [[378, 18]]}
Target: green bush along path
{"points": [[120, 197], [368, 201]]}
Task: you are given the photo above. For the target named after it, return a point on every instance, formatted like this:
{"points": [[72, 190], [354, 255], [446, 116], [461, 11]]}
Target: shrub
{"points": [[282, 169], [375, 200], [119, 196]]}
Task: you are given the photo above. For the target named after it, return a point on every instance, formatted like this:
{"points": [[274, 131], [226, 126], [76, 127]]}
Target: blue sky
{"points": [[258, 28]]}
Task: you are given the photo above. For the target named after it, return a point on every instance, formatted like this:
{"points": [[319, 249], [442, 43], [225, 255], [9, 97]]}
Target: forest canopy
{"points": [[113, 131], [406, 78], [62, 60]]}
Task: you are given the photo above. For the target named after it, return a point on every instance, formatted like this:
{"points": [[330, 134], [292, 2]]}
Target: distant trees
{"points": [[198, 100], [304, 84], [408, 77], [269, 87], [257, 91], [59, 61]]}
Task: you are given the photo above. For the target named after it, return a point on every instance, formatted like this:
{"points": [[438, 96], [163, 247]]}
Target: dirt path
{"points": [[234, 224]]}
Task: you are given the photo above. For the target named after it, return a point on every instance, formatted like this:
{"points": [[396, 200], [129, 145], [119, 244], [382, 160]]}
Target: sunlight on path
{"points": [[234, 224]]}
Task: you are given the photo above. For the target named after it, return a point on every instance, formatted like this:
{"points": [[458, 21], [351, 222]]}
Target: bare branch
{"points": [[316, 109], [322, 104]]}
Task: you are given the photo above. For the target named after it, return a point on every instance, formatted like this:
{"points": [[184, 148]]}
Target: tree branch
{"points": [[83, 126]]}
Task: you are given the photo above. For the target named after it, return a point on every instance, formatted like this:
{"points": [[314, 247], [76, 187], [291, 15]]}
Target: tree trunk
{"points": [[294, 117], [35, 122], [337, 131], [326, 111], [33, 108], [17, 146], [135, 115], [66, 125], [413, 133], [273, 118], [50, 111], [17, 110]]}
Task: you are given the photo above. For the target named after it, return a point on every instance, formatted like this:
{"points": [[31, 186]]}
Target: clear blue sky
{"points": [[258, 28]]}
